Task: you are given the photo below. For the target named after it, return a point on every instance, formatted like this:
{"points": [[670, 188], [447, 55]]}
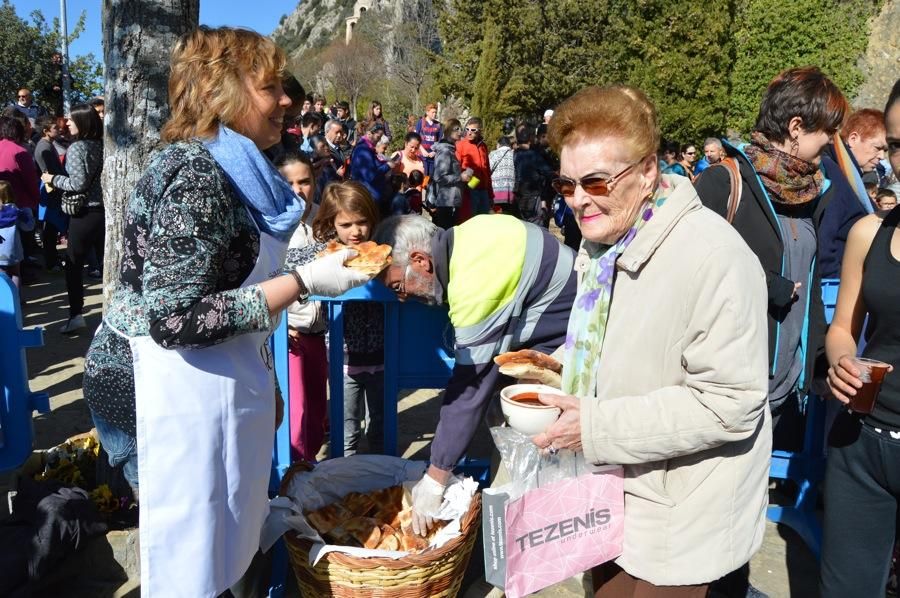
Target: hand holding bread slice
{"points": [[531, 365], [371, 258]]}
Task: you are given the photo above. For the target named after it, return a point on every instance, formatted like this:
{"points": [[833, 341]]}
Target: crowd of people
{"points": [[54, 166], [685, 302]]}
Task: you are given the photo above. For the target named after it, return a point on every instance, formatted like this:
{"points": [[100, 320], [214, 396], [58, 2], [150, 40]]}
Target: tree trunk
{"points": [[138, 37]]}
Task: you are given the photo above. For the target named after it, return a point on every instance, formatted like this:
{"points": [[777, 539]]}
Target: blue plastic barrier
{"points": [[281, 455], [17, 402], [807, 467], [423, 360], [829, 296]]}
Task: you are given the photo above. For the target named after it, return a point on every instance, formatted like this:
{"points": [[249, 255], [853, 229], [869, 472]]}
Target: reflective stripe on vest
{"points": [[513, 325]]}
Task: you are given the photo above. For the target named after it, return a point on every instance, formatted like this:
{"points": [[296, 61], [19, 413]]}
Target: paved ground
{"points": [[782, 568]]}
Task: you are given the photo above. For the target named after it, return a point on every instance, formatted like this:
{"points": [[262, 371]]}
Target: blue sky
{"points": [[261, 15]]}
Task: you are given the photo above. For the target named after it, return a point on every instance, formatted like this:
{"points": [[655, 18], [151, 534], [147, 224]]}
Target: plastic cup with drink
{"points": [[871, 374]]}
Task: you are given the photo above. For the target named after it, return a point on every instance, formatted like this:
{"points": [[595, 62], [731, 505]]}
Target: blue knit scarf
{"points": [[275, 207]]}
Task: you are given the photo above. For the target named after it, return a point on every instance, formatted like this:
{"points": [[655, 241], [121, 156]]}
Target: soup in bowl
{"points": [[523, 410]]}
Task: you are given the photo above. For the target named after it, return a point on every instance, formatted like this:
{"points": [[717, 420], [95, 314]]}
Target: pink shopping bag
{"points": [[559, 530]]}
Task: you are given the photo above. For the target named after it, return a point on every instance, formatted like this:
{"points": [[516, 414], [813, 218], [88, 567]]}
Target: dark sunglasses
{"points": [[690, 153], [592, 184], [23, 97]]}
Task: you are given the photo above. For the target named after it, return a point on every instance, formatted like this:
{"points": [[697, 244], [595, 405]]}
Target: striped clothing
{"points": [[510, 285]]}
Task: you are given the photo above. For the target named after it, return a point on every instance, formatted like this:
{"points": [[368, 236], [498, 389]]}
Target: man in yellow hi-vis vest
{"points": [[509, 285]]}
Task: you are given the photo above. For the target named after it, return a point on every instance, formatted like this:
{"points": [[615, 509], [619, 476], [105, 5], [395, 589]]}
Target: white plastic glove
{"points": [[427, 497], [328, 277]]}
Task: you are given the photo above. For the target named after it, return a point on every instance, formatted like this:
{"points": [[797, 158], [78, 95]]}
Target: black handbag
{"points": [[72, 202]]}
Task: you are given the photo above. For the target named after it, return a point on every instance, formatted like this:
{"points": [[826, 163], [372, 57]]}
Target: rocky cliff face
{"points": [[881, 63], [314, 23]]}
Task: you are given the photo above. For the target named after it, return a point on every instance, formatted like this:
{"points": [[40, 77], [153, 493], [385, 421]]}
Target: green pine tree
{"points": [[772, 35]]}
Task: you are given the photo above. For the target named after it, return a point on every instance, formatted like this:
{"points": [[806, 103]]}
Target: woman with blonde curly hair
{"points": [[178, 377]]}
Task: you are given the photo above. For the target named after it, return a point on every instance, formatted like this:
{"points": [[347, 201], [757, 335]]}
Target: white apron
{"points": [[205, 423]]}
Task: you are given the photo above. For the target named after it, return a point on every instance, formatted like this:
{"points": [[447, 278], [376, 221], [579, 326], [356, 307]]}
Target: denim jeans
{"points": [[120, 448], [361, 390]]}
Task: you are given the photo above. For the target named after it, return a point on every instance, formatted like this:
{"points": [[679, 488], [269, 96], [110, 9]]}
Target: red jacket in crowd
{"points": [[475, 156]]}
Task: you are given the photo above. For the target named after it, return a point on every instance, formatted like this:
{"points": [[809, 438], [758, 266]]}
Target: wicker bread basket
{"points": [[435, 573]]}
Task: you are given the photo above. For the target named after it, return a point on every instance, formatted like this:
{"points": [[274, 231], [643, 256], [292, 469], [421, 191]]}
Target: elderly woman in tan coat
{"points": [[665, 357]]}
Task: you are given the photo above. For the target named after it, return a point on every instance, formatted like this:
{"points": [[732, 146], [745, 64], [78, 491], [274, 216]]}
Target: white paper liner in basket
{"points": [[333, 479]]}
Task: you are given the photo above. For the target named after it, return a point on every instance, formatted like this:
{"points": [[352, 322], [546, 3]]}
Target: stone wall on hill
{"points": [[881, 63]]}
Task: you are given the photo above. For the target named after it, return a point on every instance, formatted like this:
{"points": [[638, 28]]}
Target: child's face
{"points": [[300, 178], [887, 202], [352, 227]]}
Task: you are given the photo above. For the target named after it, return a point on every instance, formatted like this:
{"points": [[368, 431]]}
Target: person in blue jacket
{"points": [[373, 173], [852, 155]]}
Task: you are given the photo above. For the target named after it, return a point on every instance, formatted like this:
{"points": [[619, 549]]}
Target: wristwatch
{"points": [[302, 291]]}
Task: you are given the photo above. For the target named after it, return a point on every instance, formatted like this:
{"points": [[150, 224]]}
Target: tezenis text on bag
{"points": [[591, 522]]}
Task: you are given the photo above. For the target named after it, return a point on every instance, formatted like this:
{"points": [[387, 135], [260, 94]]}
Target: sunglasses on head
{"points": [[593, 184]]}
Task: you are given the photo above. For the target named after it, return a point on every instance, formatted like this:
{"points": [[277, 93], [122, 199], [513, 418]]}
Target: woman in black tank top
{"points": [[862, 478], [881, 295]]}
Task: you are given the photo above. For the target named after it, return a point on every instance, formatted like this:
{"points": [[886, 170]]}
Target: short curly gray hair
{"points": [[405, 234]]}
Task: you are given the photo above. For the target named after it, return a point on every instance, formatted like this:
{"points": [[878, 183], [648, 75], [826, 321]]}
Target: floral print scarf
{"points": [[587, 320]]}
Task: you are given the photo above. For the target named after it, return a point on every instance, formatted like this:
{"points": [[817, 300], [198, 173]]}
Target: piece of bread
{"points": [[371, 257], [531, 365], [390, 540], [529, 356], [411, 542], [388, 504], [328, 517], [405, 518], [360, 505], [381, 519], [359, 531]]}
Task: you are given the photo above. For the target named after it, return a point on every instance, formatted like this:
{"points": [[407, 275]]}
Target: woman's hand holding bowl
{"points": [[564, 433]]}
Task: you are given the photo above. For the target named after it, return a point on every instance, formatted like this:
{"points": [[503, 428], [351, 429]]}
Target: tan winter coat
{"points": [[681, 396]]}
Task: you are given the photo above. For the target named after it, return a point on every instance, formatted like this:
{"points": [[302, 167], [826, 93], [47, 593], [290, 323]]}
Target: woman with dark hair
{"points": [[16, 164], [87, 225], [683, 164], [375, 115], [862, 489], [783, 197], [409, 156], [784, 194]]}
